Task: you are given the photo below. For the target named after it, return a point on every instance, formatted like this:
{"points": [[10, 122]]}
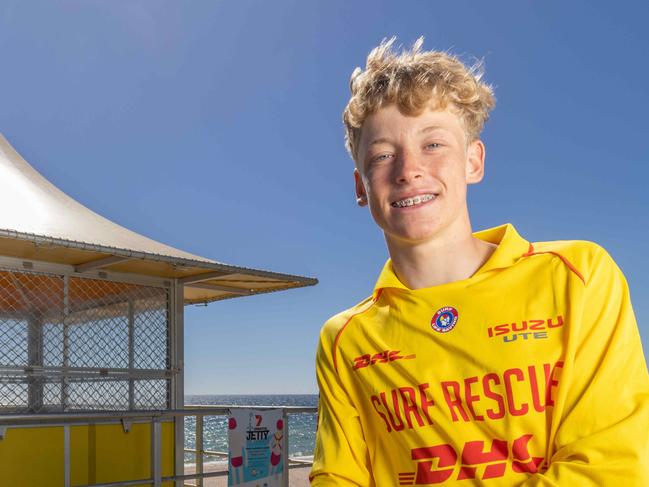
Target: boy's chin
{"points": [[411, 237]]}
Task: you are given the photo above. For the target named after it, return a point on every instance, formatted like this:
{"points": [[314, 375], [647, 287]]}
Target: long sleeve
{"points": [[340, 456], [603, 434]]}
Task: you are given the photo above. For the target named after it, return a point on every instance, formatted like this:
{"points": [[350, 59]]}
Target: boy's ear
{"points": [[361, 195], [475, 162]]}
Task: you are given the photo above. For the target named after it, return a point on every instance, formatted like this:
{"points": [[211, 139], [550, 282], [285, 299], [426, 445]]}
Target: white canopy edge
{"points": [[35, 210], [31, 205]]}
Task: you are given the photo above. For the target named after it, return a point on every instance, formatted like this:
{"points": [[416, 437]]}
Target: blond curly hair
{"points": [[414, 80]]}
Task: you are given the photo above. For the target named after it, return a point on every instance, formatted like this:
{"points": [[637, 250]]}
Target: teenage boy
{"points": [[479, 358]]}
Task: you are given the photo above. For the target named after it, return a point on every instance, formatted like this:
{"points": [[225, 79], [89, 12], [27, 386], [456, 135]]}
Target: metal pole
{"points": [[131, 354], [199, 449], [156, 452], [35, 358], [66, 341], [66, 455], [175, 319]]}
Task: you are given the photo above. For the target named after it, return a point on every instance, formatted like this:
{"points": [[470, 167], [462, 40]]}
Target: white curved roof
{"points": [[34, 211]]}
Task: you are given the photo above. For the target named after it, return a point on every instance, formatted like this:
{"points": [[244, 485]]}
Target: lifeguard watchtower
{"points": [[91, 331]]}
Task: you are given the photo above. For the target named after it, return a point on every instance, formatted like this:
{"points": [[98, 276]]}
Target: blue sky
{"points": [[216, 127]]}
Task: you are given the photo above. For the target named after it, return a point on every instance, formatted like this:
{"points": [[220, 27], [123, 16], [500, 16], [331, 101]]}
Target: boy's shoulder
{"points": [[583, 255], [577, 249], [334, 325], [569, 246]]}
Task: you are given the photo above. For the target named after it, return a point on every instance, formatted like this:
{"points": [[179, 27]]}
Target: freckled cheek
{"points": [[376, 191], [379, 207], [379, 216], [374, 201], [454, 180]]}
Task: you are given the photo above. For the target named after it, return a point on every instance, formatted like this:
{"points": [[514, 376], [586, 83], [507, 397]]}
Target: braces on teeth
{"points": [[413, 201]]}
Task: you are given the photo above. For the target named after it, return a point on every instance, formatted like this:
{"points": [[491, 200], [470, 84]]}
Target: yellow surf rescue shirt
{"points": [[530, 372]]}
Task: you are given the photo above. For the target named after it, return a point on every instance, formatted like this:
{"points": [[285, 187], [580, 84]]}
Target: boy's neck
{"points": [[454, 256]]}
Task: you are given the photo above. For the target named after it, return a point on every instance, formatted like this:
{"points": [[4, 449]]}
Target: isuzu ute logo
{"points": [[525, 330]]}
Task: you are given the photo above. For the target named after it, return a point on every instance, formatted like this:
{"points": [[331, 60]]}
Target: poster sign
{"points": [[256, 447]]}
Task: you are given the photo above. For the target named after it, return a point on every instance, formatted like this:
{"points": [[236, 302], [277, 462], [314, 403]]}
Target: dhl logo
{"points": [[386, 356], [436, 464]]}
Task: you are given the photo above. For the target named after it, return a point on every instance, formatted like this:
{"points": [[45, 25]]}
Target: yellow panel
{"points": [[33, 457]]}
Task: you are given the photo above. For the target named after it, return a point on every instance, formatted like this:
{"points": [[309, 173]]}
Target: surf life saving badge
{"points": [[444, 319]]}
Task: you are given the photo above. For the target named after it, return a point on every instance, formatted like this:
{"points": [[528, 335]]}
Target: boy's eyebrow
{"points": [[380, 140], [429, 128]]}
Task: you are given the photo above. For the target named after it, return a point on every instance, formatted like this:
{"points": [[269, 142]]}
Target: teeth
{"points": [[413, 201]]}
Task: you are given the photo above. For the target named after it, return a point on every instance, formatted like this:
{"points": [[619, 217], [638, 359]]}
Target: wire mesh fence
{"points": [[71, 344]]}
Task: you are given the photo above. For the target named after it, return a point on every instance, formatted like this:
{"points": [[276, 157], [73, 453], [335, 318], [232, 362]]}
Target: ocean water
{"points": [[215, 432]]}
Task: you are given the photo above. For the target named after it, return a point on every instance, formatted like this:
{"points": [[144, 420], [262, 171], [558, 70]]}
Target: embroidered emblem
{"points": [[444, 319]]}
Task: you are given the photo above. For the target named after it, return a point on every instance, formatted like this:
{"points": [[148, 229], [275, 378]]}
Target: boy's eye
{"points": [[381, 157]]}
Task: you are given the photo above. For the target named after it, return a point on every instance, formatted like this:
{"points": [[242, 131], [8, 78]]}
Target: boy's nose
{"points": [[408, 167]]}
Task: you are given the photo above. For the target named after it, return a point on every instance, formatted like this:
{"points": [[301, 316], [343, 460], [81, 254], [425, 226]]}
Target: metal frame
{"points": [[22, 265], [35, 360], [206, 276], [103, 262], [38, 374], [198, 262], [131, 353], [117, 373], [177, 342], [174, 372], [218, 287], [66, 338], [200, 450]]}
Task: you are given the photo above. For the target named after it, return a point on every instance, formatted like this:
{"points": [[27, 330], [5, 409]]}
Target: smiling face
{"points": [[413, 172]]}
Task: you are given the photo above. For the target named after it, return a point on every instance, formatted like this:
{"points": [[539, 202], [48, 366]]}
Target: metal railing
{"points": [[155, 418], [200, 452]]}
